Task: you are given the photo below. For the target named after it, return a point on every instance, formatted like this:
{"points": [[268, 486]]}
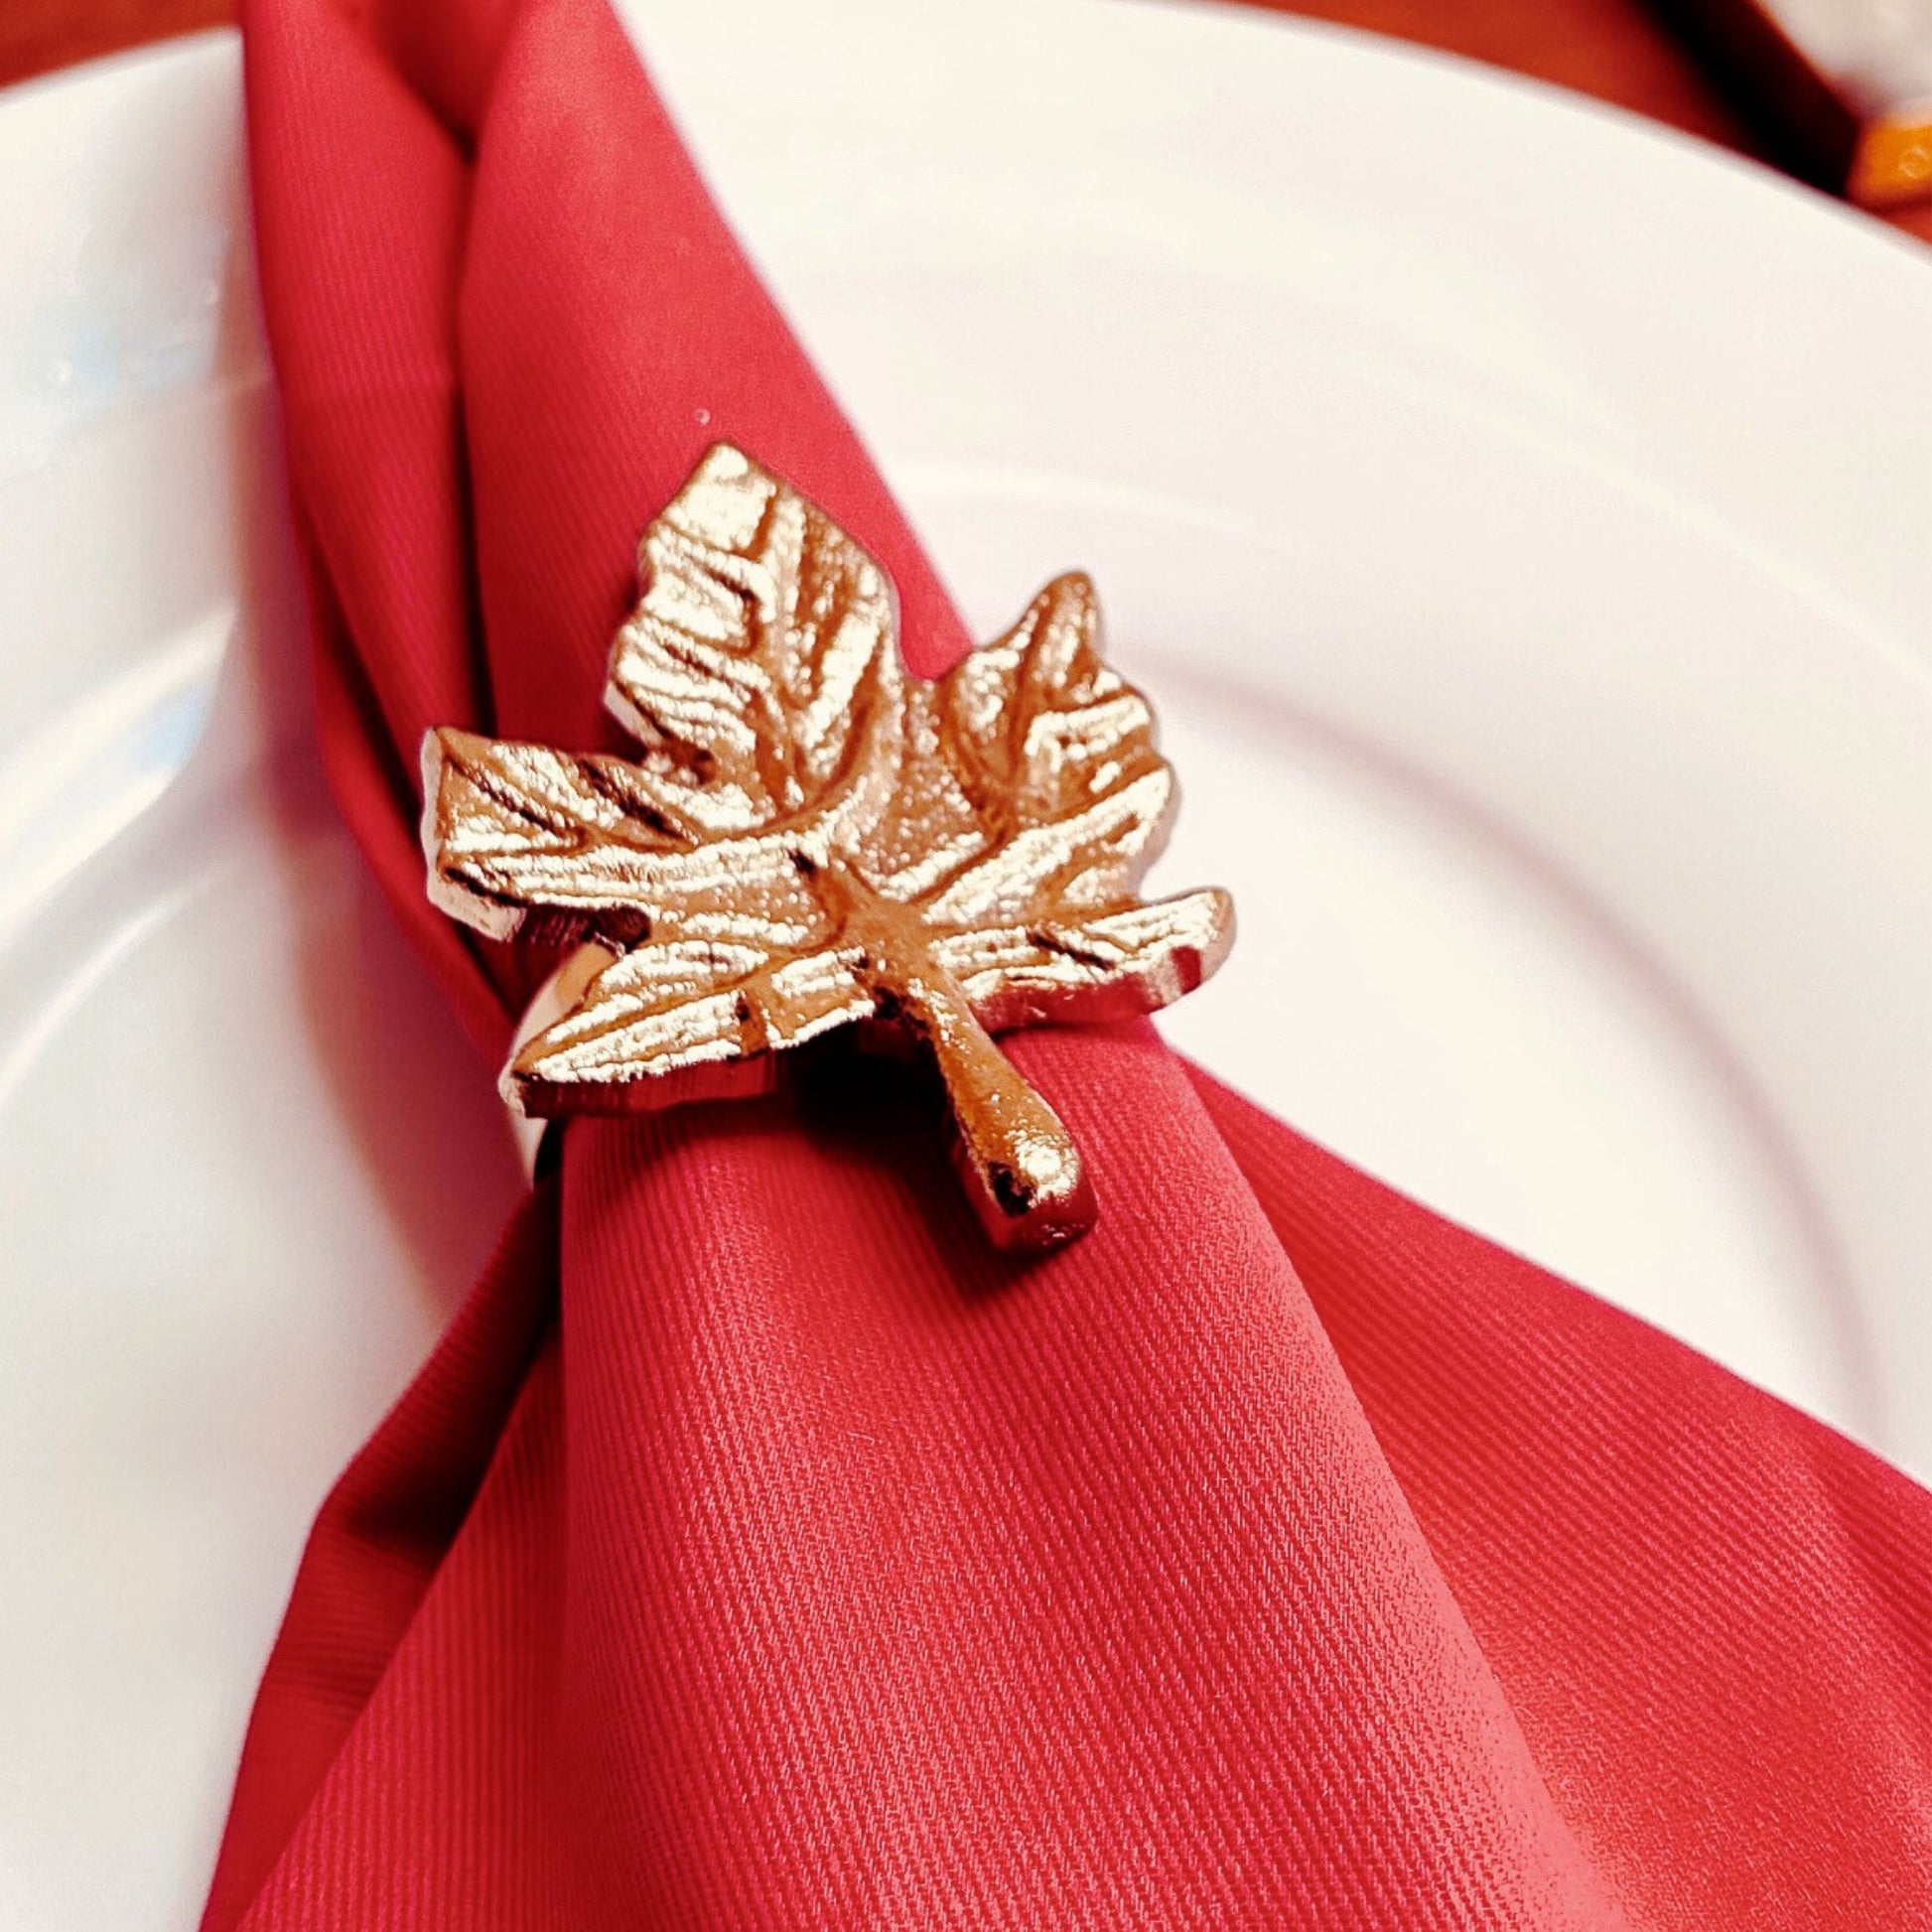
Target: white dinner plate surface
{"points": [[1522, 517]]}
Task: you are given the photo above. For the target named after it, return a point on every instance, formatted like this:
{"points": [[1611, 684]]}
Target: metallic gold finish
{"points": [[811, 836]]}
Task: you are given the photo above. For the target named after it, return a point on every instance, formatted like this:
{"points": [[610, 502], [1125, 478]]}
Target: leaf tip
{"points": [[450, 759], [1218, 940], [435, 762]]}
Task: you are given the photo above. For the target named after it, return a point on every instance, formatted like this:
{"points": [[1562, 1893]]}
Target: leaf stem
{"points": [[1019, 1162]]}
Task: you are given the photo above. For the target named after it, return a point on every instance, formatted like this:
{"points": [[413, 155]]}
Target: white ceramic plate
{"points": [[1524, 518]]}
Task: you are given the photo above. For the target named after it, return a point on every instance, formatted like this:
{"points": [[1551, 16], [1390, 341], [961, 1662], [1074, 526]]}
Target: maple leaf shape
{"points": [[811, 837]]}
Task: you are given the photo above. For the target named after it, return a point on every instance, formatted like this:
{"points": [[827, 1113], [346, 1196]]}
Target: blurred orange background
{"points": [[1618, 50]]}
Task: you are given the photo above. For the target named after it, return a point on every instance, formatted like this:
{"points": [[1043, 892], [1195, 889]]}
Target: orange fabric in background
{"points": [[1616, 50], [37, 36]]}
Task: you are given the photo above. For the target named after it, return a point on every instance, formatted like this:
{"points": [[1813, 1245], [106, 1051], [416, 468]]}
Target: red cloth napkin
{"points": [[759, 1551]]}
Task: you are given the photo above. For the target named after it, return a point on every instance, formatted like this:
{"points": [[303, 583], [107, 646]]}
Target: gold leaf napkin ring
{"points": [[809, 836]]}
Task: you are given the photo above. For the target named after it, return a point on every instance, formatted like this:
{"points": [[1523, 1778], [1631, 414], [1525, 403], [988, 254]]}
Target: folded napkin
{"points": [[758, 1550]]}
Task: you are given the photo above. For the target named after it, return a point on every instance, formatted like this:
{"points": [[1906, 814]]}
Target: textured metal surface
{"points": [[811, 836]]}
